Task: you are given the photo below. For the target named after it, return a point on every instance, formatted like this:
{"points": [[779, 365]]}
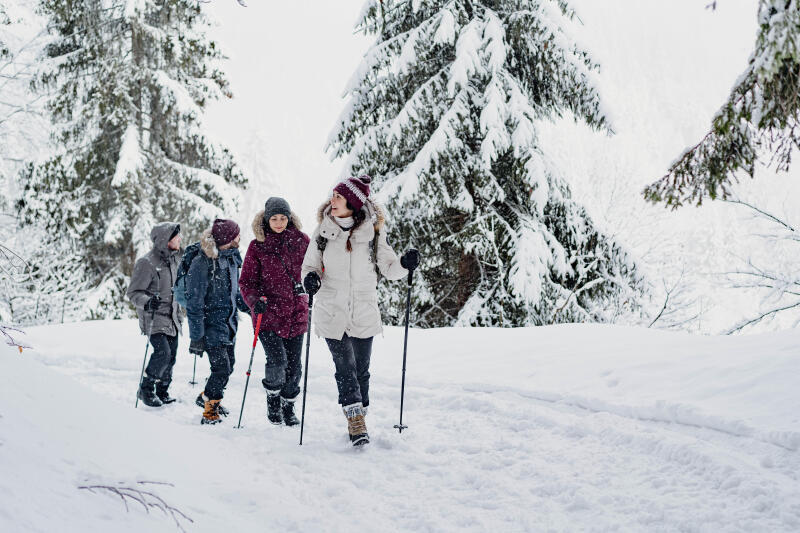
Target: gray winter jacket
{"points": [[155, 273], [347, 301]]}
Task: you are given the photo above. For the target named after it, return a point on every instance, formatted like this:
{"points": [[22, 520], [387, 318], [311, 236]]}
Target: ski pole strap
{"points": [[258, 329]]}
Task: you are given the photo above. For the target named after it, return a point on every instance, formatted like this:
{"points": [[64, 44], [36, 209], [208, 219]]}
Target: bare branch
{"points": [[148, 500], [765, 214], [759, 318]]}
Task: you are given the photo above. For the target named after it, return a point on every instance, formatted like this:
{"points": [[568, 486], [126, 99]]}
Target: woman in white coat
{"points": [[341, 262]]}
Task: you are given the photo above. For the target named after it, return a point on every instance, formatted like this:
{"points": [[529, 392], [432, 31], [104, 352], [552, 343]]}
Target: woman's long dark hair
{"points": [[359, 216]]}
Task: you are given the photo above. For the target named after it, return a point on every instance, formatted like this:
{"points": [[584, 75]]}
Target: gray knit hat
{"points": [[276, 206]]}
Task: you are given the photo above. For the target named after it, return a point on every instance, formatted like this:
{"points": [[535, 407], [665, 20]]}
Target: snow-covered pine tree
{"points": [[443, 112], [760, 120], [130, 80]]}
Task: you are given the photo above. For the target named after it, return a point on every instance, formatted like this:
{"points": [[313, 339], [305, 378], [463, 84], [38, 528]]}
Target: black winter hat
{"points": [[276, 206]]}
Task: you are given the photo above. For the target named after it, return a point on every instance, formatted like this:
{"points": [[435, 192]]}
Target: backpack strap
{"points": [[322, 243], [373, 256]]}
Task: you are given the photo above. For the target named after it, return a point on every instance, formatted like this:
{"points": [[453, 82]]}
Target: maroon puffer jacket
{"points": [[264, 274]]}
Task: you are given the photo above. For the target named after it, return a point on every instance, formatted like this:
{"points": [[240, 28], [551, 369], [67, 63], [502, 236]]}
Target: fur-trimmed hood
{"points": [[209, 245], [258, 225], [374, 213]]}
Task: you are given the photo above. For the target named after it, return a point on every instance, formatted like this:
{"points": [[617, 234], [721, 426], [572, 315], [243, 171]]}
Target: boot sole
{"points": [[360, 440]]}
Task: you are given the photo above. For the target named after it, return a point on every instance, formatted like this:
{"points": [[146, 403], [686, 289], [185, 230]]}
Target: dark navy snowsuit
{"points": [[212, 300]]}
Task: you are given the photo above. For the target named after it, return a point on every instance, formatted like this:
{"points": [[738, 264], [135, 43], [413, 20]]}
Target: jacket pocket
{"points": [[325, 305], [365, 309]]}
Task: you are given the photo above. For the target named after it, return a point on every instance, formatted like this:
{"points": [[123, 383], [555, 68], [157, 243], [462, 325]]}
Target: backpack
{"points": [[179, 289]]}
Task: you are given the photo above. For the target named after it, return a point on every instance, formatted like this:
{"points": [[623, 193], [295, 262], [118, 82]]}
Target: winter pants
{"points": [[222, 359], [351, 358], [284, 366], [165, 348]]}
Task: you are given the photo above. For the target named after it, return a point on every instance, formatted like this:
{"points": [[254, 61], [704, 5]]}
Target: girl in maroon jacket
{"points": [[270, 285]]}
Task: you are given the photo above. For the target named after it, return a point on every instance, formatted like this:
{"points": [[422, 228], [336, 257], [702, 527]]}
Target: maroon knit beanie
{"points": [[224, 231], [355, 190]]}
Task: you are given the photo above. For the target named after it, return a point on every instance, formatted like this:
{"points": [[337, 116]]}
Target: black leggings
{"points": [[351, 358], [284, 368]]}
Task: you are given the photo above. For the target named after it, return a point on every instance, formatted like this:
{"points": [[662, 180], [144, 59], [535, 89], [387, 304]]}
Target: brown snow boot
{"points": [[211, 412], [356, 425]]}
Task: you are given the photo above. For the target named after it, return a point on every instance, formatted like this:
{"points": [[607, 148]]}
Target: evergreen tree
{"points": [[761, 118], [442, 113], [130, 80]]}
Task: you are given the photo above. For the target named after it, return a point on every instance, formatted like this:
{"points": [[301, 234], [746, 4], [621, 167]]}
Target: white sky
{"points": [[289, 63]]}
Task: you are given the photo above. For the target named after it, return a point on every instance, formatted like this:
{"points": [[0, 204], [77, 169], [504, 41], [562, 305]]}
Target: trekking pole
{"points": [[193, 382], [249, 368], [305, 378], [400, 427], [146, 348]]}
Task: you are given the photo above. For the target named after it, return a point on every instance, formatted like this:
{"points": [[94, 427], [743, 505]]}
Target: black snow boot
{"points": [[147, 392], [163, 393], [356, 425], [220, 408], [287, 409], [274, 407]]}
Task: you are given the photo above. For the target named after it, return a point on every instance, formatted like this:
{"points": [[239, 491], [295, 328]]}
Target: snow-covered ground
{"points": [[564, 428]]}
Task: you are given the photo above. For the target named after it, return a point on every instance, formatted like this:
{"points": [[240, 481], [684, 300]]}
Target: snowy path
{"points": [[483, 451]]}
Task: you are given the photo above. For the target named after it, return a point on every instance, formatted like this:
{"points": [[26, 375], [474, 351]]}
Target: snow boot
{"points": [[356, 425], [147, 392], [274, 407], [287, 410], [200, 402], [163, 393], [211, 412]]}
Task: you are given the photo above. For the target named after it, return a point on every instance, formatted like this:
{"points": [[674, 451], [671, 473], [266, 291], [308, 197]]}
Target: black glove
{"points": [[153, 303], [410, 259], [197, 347], [260, 306], [312, 283]]}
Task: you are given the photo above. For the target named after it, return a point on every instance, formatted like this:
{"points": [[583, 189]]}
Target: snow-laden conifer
{"points": [[443, 112], [129, 81], [759, 122]]}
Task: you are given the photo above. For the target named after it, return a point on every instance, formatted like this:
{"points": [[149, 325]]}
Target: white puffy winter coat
{"points": [[347, 301]]}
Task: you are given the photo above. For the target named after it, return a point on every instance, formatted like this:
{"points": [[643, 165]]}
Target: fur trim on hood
{"points": [[208, 245], [374, 213], [258, 228]]}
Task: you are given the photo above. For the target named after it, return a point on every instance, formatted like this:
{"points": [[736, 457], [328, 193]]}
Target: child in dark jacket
{"points": [[212, 304]]}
